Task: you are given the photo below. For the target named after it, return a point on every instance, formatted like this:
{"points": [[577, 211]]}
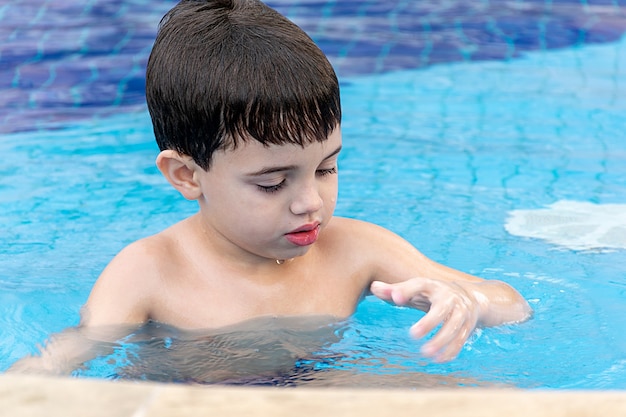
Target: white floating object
{"points": [[573, 224]]}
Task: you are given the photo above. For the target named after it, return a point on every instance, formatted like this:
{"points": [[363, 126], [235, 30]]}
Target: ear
{"points": [[179, 170]]}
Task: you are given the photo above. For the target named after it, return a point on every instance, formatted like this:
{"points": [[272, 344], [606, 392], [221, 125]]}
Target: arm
{"points": [[458, 301], [121, 295], [67, 351], [116, 306]]}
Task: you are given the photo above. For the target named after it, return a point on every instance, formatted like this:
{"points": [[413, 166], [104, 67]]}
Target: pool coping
{"points": [[28, 395]]}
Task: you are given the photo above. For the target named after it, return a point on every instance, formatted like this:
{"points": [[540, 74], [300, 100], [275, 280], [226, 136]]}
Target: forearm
{"points": [[60, 356], [66, 351], [499, 303]]}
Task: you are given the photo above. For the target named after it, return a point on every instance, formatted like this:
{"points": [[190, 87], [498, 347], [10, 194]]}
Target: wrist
{"points": [[498, 303]]}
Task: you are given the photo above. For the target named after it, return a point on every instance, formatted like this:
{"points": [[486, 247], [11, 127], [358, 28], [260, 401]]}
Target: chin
{"points": [[295, 253]]}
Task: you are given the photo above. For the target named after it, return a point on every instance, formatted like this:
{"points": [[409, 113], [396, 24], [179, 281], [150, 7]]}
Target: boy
{"points": [[247, 115]]}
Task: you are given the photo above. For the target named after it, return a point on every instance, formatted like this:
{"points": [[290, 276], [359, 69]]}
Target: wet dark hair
{"points": [[225, 71]]}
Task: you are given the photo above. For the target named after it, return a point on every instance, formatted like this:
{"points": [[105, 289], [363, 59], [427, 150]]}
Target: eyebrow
{"points": [[271, 170]]}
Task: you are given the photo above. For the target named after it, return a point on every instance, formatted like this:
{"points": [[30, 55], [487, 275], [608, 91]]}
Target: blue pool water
{"points": [[489, 134]]}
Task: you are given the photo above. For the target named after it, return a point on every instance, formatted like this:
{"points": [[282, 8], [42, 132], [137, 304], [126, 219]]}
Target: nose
{"points": [[307, 200]]}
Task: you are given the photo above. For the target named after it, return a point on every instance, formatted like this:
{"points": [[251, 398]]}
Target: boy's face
{"points": [[268, 203]]}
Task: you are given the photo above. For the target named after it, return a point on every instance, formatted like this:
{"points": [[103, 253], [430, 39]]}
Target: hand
{"points": [[445, 302]]}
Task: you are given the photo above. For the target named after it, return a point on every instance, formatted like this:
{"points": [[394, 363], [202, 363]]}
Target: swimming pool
{"points": [[490, 135]]}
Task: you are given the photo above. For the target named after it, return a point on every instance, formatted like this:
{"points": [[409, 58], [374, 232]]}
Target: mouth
{"points": [[305, 235]]}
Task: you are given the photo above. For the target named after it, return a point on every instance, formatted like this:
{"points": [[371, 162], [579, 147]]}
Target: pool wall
{"points": [[55, 397]]}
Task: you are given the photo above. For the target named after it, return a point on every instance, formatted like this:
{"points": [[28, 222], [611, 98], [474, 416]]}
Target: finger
{"points": [[435, 316], [388, 293], [413, 292], [451, 350], [450, 339], [381, 290]]}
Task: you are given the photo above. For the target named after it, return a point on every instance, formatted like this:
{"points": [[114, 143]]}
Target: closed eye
{"points": [[271, 188], [328, 171]]}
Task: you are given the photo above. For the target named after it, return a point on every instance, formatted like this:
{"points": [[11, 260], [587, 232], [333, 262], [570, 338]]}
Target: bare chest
{"points": [[199, 302]]}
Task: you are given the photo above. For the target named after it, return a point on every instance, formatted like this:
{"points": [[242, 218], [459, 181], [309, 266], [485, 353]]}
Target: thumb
{"points": [[388, 292], [381, 290]]}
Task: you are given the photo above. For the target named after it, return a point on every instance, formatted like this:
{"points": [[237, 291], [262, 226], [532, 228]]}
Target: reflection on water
{"points": [[260, 352]]}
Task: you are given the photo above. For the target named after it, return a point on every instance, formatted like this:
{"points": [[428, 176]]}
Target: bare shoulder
{"points": [[370, 243], [386, 255], [364, 235], [140, 260], [124, 291], [356, 225]]}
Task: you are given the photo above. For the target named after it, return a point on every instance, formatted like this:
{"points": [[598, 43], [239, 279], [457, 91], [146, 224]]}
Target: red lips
{"points": [[304, 235]]}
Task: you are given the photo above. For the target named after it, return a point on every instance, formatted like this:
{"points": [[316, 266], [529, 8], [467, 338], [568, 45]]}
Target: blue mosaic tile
{"points": [[76, 55]]}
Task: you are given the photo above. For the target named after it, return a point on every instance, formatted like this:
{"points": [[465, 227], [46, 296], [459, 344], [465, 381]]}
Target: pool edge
{"points": [[27, 395]]}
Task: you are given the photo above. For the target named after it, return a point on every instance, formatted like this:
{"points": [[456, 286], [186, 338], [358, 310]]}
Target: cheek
{"points": [[330, 193], [255, 209]]}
